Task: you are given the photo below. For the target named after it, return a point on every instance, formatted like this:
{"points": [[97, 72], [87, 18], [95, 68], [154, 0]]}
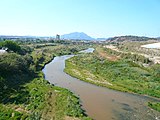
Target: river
{"points": [[100, 103]]}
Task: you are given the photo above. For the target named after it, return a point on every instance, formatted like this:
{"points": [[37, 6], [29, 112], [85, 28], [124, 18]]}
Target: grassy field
{"points": [[116, 71], [25, 95]]}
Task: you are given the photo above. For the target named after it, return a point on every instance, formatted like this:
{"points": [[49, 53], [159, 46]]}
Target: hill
{"points": [[130, 38], [158, 38]]}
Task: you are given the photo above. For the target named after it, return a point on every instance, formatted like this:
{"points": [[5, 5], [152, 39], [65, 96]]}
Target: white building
{"points": [[3, 50]]}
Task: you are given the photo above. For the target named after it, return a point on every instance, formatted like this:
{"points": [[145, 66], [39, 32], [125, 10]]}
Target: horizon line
{"points": [[73, 32]]}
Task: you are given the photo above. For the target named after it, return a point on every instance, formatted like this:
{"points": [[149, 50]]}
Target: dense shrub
{"points": [[12, 63], [11, 46]]}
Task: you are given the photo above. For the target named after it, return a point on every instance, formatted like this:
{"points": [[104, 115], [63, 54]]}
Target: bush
{"points": [[13, 63], [11, 46]]}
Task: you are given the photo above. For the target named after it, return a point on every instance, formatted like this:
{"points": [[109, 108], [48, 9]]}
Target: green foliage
{"points": [[156, 72], [123, 74], [155, 106], [134, 57], [24, 94], [11, 46], [10, 114], [25, 50], [68, 105], [13, 63]]}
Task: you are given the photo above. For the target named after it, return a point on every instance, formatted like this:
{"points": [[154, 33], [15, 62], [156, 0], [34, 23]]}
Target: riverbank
{"points": [[106, 103], [116, 74], [34, 97]]}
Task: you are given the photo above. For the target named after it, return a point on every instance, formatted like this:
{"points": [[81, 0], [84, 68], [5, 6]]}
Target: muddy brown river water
{"points": [[100, 103]]}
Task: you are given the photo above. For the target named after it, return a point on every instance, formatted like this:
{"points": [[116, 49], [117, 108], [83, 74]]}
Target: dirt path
{"points": [[103, 54]]}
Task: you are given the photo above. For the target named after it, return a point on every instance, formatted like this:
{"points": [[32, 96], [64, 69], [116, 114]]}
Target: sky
{"points": [[97, 18]]}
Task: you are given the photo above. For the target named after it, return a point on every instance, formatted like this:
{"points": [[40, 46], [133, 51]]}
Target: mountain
{"points": [[77, 36]]}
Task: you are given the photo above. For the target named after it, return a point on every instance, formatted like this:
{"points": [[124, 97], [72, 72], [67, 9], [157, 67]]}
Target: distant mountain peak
{"points": [[77, 35]]}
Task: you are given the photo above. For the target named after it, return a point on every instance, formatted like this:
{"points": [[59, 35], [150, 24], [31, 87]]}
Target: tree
{"points": [[11, 46], [14, 64]]}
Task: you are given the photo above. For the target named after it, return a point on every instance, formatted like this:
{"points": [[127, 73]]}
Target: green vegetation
{"points": [[24, 94], [135, 47], [130, 38], [126, 55], [122, 73], [12, 63], [11, 46], [8, 114], [155, 106]]}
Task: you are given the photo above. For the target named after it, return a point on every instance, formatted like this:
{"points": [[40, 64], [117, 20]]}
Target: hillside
{"points": [[130, 38]]}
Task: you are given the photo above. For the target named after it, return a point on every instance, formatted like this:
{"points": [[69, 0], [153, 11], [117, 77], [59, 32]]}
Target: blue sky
{"points": [[97, 18]]}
